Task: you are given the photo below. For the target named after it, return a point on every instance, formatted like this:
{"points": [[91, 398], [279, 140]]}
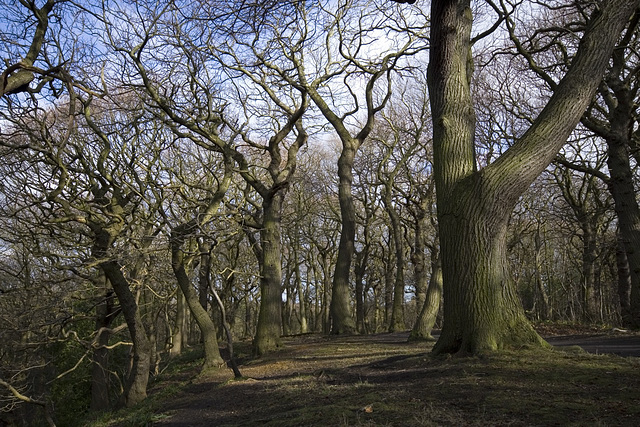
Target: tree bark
{"points": [[212, 358], [418, 260], [588, 288], [624, 196], [624, 282], [341, 319], [481, 308], [105, 313], [269, 328], [396, 323], [362, 258], [541, 291], [178, 338], [135, 389], [429, 312], [326, 292]]}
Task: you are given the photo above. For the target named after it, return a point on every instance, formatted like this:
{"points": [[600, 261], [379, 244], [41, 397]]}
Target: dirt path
{"points": [[384, 380], [622, 345]]}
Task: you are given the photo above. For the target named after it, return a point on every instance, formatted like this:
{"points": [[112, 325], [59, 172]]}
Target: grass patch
{"points": [[383, 380]]}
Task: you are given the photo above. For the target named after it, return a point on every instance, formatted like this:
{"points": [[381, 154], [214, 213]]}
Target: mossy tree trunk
{"points": [[180, 264], [269, 327], [482, 311], [135, 387], [342, 321]]}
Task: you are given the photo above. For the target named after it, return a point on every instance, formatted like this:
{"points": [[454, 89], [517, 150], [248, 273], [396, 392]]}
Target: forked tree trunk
{"points": [[269, 327], [481, 308]]}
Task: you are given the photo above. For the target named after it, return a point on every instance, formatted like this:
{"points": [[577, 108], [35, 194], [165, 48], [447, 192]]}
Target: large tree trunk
{"points": [[481, 308], [269, 327], [485, 308], [341, 318]]}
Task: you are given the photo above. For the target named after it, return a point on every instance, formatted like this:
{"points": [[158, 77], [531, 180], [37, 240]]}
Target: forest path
{"points": [[622, 344], [382, 379]]}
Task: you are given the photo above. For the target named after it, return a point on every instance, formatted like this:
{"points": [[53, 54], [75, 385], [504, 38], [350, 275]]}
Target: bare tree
{"points": [[482, 311]]}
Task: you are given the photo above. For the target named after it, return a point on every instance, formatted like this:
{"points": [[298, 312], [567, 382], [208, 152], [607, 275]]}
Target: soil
{"points": [[384, 380]]}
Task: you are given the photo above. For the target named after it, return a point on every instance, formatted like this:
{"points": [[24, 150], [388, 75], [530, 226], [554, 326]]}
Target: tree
{"points": [[185, 248], [610, 116], [482, 311], [583, 195], [19, 73], [205, 61], [365, 79]]}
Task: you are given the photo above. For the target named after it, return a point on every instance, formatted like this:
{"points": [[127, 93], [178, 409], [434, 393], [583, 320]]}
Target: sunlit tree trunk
{"points": [[178, 337], [135, 388], [482, 310], [269, 328], [212, 357], [342, 321]]}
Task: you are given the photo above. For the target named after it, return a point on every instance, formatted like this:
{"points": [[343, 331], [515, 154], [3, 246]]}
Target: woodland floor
{"points": [[382, 380]]}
